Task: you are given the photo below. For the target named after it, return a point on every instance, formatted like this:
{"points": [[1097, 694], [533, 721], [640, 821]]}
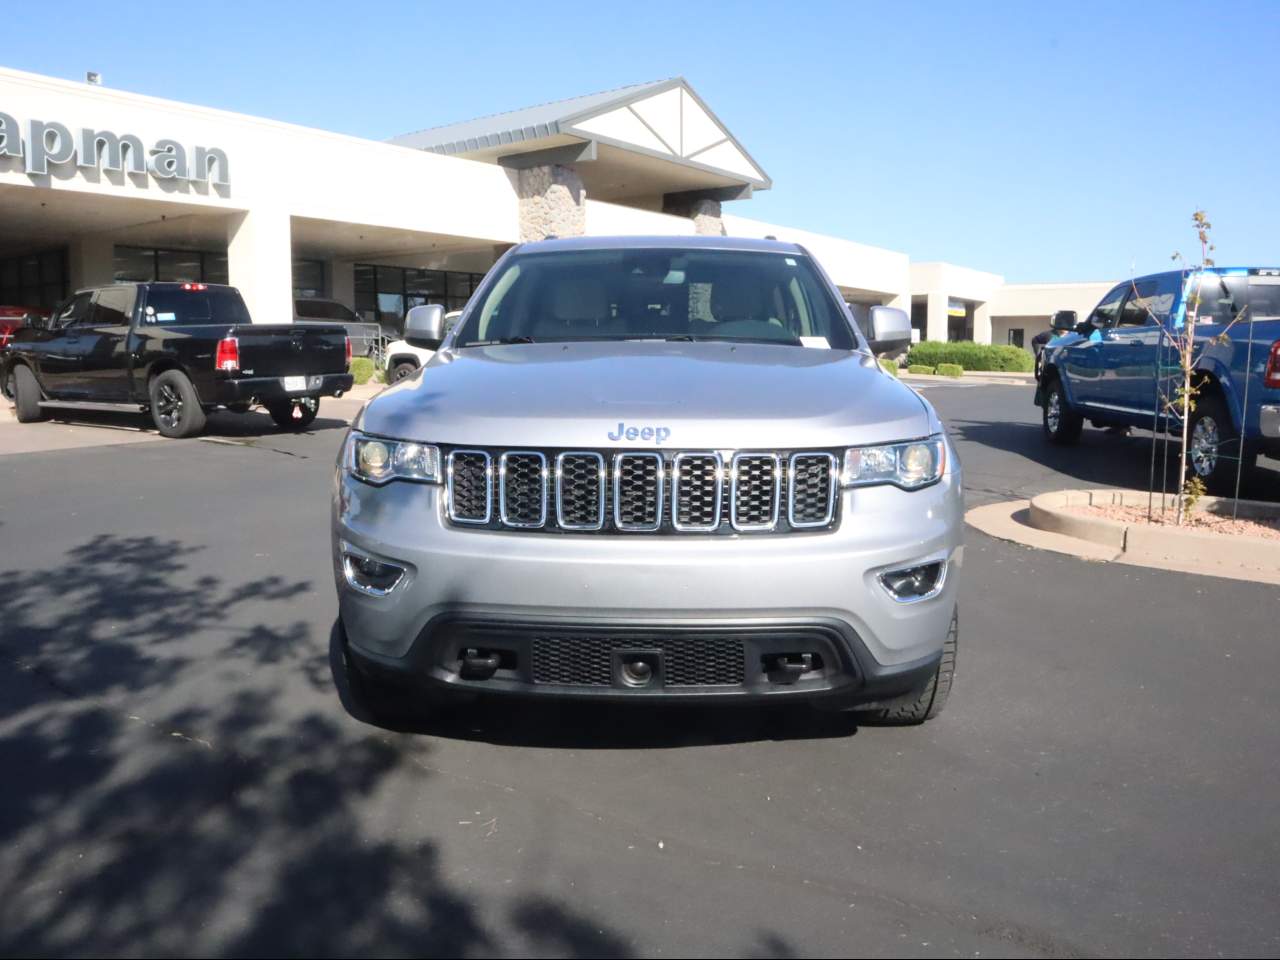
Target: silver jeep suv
{"points": [[651, 469]]}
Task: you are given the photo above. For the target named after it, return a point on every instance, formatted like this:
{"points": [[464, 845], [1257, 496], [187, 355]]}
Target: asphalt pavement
{"points": [[181, 775]]}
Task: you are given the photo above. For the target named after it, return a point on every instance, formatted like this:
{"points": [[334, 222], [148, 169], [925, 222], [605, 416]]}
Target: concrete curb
{"points": [[1044, 523], [975, 376]]}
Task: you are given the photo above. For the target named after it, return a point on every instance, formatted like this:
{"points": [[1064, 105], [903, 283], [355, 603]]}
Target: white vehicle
{"points": [[407, 355]]}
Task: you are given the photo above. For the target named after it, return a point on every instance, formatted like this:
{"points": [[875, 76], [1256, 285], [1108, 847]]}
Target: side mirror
{"points": [[425, 324], [890, 328], [1063, 321]]}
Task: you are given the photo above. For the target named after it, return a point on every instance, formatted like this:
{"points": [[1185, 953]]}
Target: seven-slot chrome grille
{"points": [[667, 492]]}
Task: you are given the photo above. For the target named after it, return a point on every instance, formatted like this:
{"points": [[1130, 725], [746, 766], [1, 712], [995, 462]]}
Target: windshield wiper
{"points": [[497, 341]]}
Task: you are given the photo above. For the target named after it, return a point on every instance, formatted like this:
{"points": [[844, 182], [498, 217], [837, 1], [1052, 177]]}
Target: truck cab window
{"points": [[1105, 313]]}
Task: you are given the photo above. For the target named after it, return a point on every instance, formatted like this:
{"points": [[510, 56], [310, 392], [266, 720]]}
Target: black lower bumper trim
{"points": [[267, 389], [667, 662]]}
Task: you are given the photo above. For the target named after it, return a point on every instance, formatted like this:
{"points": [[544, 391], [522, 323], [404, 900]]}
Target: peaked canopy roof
{"points": [[643, 138]]}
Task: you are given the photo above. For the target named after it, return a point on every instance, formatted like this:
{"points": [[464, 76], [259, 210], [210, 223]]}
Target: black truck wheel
{"points": [[1213, 447], [294, 414], [1062, 425], [175, 406], [26, 395], [401, 370]]}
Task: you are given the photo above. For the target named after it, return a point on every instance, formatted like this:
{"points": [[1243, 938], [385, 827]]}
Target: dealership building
{"points": [[98, 185]]}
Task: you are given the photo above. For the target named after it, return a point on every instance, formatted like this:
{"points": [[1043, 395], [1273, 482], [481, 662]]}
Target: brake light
{"points": [[348, 339], [1272, 377], [195, 286], [227, 358]]}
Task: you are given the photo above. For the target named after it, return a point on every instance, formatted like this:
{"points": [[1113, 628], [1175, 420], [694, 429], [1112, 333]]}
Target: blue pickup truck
{"points": [[1119, 367]]}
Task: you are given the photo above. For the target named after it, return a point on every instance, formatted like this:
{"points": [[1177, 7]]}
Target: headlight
{"points": [[377, 460], [910, 465]]}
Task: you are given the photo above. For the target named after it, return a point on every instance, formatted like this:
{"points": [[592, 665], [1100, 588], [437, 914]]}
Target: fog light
{"points": [[915, 583], [376, 578]]}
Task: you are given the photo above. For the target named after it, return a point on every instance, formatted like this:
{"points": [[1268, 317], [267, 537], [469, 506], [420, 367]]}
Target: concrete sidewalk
{"points": [[75, 430]]}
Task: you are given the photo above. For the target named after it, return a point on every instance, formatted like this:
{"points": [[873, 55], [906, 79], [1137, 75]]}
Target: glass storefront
{"points": [[308, 278], [385, 294], [34, 280], [146, 264]]}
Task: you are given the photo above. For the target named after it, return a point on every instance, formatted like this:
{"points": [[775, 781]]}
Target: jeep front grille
{"points": [[587, 661], [684, 492]]}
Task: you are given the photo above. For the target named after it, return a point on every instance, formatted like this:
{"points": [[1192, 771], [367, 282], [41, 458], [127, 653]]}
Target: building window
{"points": [[34, 280], [920, 319], [148, 264], [959, 320], [384, 295], [308, 278], [1016, 336]]}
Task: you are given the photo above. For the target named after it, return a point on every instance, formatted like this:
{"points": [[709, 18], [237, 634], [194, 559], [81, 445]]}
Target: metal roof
{"points": [[594, 118], [529, 123]]}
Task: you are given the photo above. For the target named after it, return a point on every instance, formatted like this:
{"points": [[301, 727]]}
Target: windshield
{"points": [[750, 297]]}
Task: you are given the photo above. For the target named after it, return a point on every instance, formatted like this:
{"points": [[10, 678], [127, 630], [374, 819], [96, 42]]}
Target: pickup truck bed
{"points": [[111, 346]]}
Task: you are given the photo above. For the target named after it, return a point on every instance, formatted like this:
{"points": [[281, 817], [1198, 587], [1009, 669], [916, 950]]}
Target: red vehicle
{"points": [[11, 318]]}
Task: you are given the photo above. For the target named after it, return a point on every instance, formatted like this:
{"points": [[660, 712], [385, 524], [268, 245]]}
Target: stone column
{"points": [[982, 323], [706, 216], [936, 324], [552, 202], [260, 262]]}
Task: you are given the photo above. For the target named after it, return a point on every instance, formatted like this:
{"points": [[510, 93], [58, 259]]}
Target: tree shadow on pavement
{"points": [[143, 815]]}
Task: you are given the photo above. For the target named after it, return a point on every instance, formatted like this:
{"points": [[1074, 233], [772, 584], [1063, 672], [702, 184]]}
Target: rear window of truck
{"points": [[176, 306]]}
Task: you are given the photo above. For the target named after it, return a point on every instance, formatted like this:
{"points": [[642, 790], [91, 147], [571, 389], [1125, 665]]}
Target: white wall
{"points": [[276, 170], [613, 220], [853, 266]]}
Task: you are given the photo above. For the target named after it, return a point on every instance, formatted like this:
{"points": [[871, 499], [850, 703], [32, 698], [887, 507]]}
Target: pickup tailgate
{"points": [[290, 349]]}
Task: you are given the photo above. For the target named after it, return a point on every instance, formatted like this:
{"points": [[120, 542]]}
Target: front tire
{"points": [[929, 702], [175, 406], [1212, 446], [378, 702], [1062, 425], [294, 414], [402, 370], [26, 396]]}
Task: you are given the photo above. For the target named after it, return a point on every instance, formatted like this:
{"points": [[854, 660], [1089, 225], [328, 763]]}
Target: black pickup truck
{"points": [[176, 350]]}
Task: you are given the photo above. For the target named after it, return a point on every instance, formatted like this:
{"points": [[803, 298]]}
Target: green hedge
{"points": [[889, 366], [362, 369], [972, 356], [950, 370], [920, 368]]}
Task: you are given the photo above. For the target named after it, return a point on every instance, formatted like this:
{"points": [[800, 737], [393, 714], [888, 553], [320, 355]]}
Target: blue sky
{"points": [[1041, 141]]}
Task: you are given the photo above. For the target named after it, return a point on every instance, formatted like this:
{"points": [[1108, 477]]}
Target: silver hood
{"points": [[689, 395]]}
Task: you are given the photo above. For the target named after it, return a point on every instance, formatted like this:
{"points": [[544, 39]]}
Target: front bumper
{"points": [[500, 592], [268, 389]]}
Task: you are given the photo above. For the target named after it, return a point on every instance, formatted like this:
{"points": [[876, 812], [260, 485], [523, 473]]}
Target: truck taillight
{"points": [[348, 339], [228, 356], [1272, 377]]}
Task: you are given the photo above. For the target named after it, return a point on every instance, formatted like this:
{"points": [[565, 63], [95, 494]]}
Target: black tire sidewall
{"points": [[1222, 479], [1068, 429], [282, 413], [26, 395], [192, 420], [397, 376]]}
